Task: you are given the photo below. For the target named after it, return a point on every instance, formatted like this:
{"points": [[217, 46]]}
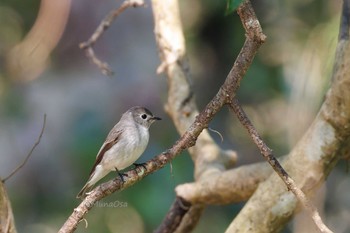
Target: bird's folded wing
{"points": [[111, 140]]}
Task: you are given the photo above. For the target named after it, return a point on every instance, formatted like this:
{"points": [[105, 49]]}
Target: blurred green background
{"points": [[281, 93]]}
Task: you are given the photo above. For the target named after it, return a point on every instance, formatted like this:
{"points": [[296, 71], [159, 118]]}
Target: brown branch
{"points": [[231, 186], [208, 159], [191, 219], [311, 160], [29, 154], [7, 222], [104, 25], [103, 66], [173, 219], [270, 158], [188, 139]]}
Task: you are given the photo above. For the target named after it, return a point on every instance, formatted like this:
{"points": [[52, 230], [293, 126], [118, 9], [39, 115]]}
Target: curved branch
{"points": [[104, 25], [29, 154]]}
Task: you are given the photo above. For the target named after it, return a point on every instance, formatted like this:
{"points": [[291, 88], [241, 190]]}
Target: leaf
{"points": [[232, 5]]}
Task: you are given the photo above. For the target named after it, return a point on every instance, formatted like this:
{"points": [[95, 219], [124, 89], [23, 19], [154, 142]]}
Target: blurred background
{"points": [[43, 71]]}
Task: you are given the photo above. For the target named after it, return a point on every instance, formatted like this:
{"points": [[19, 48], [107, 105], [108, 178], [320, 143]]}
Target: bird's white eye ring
{"points": [[143, 116]]}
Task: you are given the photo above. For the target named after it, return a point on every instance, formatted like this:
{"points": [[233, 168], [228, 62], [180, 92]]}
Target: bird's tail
{"points": [[98, 174], [82, 194]]}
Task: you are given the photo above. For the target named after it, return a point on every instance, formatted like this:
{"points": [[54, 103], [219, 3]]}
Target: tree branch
{"points": [[175, 215], [181, 106], [7, 221], [29, 154], [310, 161], [188, 139], [267, 154], [209, 160], [104, 25], [231, 186]]}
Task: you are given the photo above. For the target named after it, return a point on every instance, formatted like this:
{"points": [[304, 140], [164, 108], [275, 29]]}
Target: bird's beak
{"points": [[153, 119]]}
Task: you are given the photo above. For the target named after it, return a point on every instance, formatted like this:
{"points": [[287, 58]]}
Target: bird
{"points": [[124, 144]]}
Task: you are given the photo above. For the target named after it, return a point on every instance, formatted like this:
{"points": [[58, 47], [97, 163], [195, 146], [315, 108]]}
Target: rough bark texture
{"points": [[310, 161], [209, 160], [272, 205], [181, 107], [175, 215], [7, 222]]}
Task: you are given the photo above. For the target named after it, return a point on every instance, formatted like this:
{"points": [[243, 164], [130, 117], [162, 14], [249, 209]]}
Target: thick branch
{"points": [[7, 222], [310, 161], [175, 215], [345, 21], [232, 186], [181, 105], [226, 93]]}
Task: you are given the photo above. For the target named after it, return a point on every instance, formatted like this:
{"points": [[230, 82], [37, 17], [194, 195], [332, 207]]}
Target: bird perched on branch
{"points": [[123, 146]]}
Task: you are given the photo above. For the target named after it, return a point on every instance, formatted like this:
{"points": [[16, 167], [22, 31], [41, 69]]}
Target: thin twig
{"points": [[217, 132], [29, 154], [271, 159], [103, 66], [104, 25]]}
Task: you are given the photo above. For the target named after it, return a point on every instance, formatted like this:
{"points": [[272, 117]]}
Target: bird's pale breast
{"points": [[127, 150]]}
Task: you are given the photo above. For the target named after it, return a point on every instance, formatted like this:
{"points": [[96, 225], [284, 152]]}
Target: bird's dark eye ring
{"points": [[143, 116]]}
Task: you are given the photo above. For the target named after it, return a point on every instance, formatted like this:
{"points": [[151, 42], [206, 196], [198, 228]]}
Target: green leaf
{"points": [[232, 5]]}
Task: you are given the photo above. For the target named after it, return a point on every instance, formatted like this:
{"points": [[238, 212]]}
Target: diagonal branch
{"points": [[174, 216], [209, 160], [271, 159], [180, 99], [313, 158], [29, 154], [188, 139], [104, 25]]}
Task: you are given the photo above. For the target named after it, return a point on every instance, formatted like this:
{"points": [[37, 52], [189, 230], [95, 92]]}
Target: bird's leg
{"points": [[121, 175], [140, 165]]}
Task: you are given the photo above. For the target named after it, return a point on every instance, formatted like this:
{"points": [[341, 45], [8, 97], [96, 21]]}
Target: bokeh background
{"points": [[43, 71]]}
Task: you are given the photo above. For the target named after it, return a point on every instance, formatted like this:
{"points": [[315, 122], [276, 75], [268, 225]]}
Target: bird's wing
{"points": [[112, 138]]}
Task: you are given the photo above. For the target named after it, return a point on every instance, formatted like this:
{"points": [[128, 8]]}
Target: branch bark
{"points": [[201, 122], [182, 109], [181, 105], [7, 222], [312, 159], [275, 164], [231, 186], [175, 215]]}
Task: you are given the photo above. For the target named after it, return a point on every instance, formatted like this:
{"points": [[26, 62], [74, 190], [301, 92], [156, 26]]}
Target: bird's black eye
{"points": [[143, 116]]}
